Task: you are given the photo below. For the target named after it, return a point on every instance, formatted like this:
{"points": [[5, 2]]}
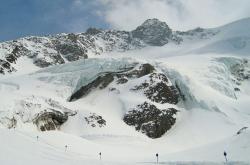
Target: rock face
{"points": [[150, 120], [101, 81], [5, 66], [153, 32], [104, 79], [11, 58], [52, 120], [158, 89], [69, 47]]}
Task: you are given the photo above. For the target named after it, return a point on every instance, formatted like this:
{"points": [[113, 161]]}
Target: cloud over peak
{"points": [[179, 14]]}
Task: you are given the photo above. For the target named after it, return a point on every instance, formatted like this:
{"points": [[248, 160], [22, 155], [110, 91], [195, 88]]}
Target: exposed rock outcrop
{"points": [[93, 31], [16, 53], [5, 66], [45, 113], [9, 122], [150, 120], [95, 120], [241, 71], [158, 88], [101, 81], [71, 51], [122, 80], [143, 70], [50, 120]]}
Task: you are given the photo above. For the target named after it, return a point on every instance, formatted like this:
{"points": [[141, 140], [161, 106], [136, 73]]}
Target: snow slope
{"points": [[50, 149]]}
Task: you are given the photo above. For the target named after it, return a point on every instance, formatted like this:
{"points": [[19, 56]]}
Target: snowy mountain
{"points": [[62, 48], [129, 95]]}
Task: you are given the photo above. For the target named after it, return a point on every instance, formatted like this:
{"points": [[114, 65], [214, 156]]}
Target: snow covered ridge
{"points": [[62, 48]]}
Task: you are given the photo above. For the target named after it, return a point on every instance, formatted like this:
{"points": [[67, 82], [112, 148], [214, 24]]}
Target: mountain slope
{"points": [[62, 48], [184, 95]]}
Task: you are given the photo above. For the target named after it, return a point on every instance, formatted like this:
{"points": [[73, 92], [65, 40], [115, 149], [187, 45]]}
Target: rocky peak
{"points": [[153, 32], [154, 22], [93, 31]]}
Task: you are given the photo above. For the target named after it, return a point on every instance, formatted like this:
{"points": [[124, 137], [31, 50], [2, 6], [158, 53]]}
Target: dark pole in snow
{"points": [[100, 155], [225, 154], [157, 157]]}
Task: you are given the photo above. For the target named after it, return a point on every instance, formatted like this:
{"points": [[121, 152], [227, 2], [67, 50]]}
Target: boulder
{"points": [[95, 120]]}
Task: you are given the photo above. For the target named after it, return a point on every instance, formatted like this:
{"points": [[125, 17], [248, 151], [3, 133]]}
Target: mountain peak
{"points": [[153, 22], [153, 32]]}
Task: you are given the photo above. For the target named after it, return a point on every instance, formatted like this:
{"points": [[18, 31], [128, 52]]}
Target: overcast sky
{"points": [[39, 17]]}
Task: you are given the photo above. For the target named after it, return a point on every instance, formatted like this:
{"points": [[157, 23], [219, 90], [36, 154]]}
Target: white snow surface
{"points": [[206, 126]]}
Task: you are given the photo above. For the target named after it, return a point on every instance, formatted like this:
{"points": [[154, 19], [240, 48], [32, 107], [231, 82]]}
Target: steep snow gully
{"points": [[118, 97]]}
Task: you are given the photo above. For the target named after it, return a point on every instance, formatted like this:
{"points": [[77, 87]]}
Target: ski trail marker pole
{"points": [[100, 155], [225, 154], [157, 157]]}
